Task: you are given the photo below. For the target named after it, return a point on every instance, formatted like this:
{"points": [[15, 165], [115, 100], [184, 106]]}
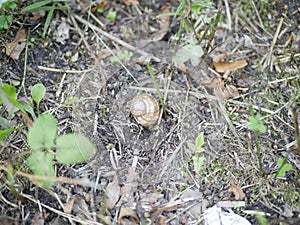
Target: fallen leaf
{"points": [[68, 206], [131, 2], [164, 24], [15, 48], [101, 5], [237, 192], [212, 82], [231, 91], [113, 192], [37, 15], [222, 67], [221, 91], [128, 216]]}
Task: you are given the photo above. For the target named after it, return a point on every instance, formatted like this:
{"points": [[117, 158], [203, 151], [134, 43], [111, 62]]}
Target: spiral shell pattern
{"points": [[145, 109]]}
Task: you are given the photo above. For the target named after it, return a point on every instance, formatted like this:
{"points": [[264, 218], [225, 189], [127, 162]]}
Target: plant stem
{"points": [[258, 152], [156, 86], [296, 125], [10, 181]]}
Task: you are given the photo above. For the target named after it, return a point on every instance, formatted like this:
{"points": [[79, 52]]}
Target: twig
{"points": [[257, 14], [115, 39], [62, 70], [58, 212], [82, 182], [228, 15], [101, 71], [269, 58], [296, 124]]}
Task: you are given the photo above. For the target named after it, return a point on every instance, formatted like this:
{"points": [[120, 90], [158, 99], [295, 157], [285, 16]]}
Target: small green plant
{"points": [[123, 56], [198, 6], [38, 92], [111, 15], [42, 137], [283, 167], [48, 6], [257, 125], [69, 148], [198, 149], [192, 52], [6, 17]]}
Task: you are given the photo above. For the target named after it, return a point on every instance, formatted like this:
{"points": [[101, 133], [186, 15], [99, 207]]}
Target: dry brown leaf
{"points": [[237, 192], [37, 15], [224, 92], [212, 82], [221, 57], [131, 2], [15, 48], [68, 206], [222, 67], [164, 24], [101, 5], [231, 91], [128, 216], [113, 192], [221, 91]]}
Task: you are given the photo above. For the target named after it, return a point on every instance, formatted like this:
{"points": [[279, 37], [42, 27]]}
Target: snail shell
{"points": [[145, 109]]}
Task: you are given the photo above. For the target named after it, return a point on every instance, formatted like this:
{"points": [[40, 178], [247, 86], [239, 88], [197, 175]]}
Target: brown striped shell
{"points": [[145, 109]]}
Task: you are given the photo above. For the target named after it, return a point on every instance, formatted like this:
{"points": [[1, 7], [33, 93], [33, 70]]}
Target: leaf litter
{"points": [[15, 48], [105, 119]]}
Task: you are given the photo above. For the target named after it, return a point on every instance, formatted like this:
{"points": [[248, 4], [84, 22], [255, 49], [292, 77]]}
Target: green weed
{"points": [[6, 17], [42, 137], [48, 6], [69, 148], [197, 147], [257, 125]]}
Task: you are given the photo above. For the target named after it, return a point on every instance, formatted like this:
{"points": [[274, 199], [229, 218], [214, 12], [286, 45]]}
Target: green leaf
{"points": [[4, 123], [4, 133], [285, 168], [41, 163], [73, 148], [191, 146], [48, 20], [36, 6], [198, 163], [111, 15], [199, 150], [42, 134], [8, 96], [189, 52], [256, 124], [200, 140], [38, 92], [197, 6], [28, 107]]}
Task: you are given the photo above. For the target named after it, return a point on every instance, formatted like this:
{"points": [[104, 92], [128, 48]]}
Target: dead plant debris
{"points": [[232, 63]]}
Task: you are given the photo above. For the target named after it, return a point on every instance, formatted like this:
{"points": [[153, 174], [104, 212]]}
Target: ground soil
{"points": [[146, 175]]}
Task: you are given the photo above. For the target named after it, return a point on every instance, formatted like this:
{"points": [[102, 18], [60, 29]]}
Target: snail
{"points": [[145, 109]]}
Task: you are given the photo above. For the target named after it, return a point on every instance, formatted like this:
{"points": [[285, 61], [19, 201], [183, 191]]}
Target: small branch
{"points": [[101, 71], [117, 40], [296, 124]]}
